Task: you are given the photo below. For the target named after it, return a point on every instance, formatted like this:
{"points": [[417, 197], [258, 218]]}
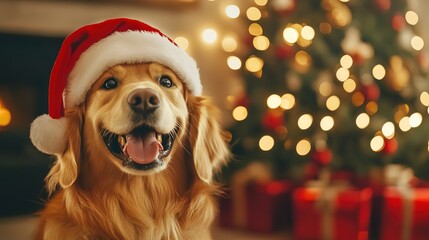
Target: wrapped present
{"points": [[405, 214], [255, 205], [331, 212]]}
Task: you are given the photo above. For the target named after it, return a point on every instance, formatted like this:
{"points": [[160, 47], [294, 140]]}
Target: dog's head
{"points": [[138, 117]]}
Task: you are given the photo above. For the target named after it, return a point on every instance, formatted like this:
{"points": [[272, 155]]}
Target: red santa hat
{"points": [[87, 53]]}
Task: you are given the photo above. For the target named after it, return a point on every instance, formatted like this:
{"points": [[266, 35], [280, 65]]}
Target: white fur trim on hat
{"points": [[48, 134], [129, 47]]}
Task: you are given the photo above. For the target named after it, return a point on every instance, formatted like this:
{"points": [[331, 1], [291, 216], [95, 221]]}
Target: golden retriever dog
{"points": [[139, 161]]}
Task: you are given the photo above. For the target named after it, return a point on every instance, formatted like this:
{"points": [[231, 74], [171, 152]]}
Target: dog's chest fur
{"points": [[144, 215]]}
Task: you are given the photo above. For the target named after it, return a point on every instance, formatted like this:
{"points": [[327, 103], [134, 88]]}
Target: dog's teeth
{"points": [[122, 140], [159, 137]]}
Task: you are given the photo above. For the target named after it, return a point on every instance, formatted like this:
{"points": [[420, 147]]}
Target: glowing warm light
{"points": [[266, 143], [290, 35], [239, 113], [288, 101], [253, 14], [378, 72], [371, 108], [388, 130], [333, 102], [349, 85], [404, 124], [362, 120], [232, 11], [307, 33], [261, 2], [346, 61], [255, 29], [415, 119], [305, 121], [327, 123], [233, 62], [229, 44], [209, 36], [274, 101], [417, 43], [5, 116], [325, 89], [424, 98], [254, 64], [411, 17], [358, 99], [377, 143], [261, 43], [303, 58], [303, 147], [182, 42], [400, 112], [342, 74]]}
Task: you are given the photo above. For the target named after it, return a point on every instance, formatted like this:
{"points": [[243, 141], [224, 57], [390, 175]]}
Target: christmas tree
{"points": [[331, 83]]}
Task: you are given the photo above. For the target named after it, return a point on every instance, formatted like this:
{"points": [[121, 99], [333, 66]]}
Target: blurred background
{"points": [[327, 102]]}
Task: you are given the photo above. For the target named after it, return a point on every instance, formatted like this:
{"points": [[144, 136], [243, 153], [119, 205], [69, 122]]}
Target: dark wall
{"points": [[25, 65]]}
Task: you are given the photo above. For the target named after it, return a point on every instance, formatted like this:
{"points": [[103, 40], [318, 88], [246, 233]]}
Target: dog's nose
{"points": [[143, 100]]}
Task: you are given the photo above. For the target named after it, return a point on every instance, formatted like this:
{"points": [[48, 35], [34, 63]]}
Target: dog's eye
{"points": [[110, 83], [165, 81]]}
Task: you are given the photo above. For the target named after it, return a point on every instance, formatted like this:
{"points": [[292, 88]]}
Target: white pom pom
{"points": [[48, 134]]}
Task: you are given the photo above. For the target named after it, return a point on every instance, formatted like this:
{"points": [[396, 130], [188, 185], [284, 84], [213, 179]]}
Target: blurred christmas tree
{"points": [[329, 82]]}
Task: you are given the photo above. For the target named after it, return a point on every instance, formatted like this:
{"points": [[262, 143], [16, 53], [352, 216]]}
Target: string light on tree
{"points": [[377, 143], [253, 14], [229, 44], [327, 123], [234, 62], [411, 17], [239, 113], [362, 120], [266, 143], [182, 42], [232, 11], [303, 147], [274, 101], [209, 35], [305, 121]]}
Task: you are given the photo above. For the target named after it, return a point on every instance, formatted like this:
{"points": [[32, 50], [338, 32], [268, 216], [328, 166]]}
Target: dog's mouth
{"points": [[141, 149]]}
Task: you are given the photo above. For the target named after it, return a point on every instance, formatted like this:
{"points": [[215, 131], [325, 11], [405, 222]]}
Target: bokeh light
{"points": [[266, 143]]}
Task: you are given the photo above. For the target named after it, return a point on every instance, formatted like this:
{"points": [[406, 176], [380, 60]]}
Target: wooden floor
{"points": [[21, 228]]}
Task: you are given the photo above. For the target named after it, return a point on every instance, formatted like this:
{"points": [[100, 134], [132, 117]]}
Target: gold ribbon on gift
{"points": [[326, 201], [403, 186], [255, 171]]}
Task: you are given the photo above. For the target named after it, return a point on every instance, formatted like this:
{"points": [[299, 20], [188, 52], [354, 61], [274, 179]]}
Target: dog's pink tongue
{"points": [[142, 149]]}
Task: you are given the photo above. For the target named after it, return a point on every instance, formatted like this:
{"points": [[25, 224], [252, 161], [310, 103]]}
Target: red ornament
{"points": [[322, 157], [371, 92], [382, 5], [398, 22], [242, 100], [284, 52], [273, 120], [390, 146]]}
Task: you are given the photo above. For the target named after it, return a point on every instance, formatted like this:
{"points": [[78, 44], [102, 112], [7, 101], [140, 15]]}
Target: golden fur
{"points": [[101, 199]]}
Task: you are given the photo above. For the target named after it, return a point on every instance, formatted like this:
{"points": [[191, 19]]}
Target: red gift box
{"points": [[405, 215], [337, 214], [263, 207]]}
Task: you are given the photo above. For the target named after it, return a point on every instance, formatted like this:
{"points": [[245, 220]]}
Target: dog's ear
{"points": [[208, 140], [65, 170]]}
